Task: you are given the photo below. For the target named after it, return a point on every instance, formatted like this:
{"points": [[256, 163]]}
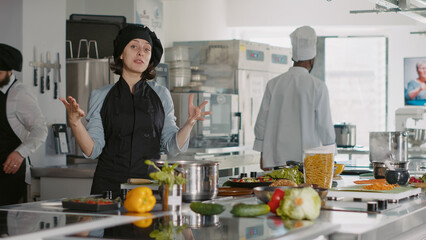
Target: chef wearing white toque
{"points": [[295, 111]]}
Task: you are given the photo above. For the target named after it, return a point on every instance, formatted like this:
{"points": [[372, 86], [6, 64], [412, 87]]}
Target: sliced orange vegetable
{"points": [[140, 200]]}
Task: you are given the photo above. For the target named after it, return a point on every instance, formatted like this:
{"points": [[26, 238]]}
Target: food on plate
{"points": [[292, 174], [100, 201], [370, 181], [421, 179], [299, 204], [319, 169], [283, 182], [380, 186], [251, 180], [249, 210], [275, 200], [207, 209], [140, 200], [306, 185]]}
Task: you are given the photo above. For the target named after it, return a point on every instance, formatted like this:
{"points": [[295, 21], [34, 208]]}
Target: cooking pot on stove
{"points": [[201, 178], [345, 134]]}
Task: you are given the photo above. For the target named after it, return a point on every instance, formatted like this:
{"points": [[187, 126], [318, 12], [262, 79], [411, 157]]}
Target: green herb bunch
{"points": [[166, 175]]}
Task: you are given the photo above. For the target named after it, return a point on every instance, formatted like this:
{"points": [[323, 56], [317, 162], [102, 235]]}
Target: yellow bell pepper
{"points": [[143, 223], [140, 200]]}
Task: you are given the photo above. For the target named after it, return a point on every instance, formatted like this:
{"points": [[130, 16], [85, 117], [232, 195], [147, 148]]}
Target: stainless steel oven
{"points": [[221, 128]]}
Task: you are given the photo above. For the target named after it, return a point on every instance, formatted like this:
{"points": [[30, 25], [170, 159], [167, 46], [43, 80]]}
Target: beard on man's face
{"points": [[5, 80]]}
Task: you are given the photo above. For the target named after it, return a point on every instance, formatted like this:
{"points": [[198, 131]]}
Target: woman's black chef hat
{"points": [[132, 31], [10, 58]]}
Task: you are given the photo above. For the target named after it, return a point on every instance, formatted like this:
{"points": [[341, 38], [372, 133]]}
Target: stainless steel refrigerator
{"points": [[84, 76], [239, 67]]}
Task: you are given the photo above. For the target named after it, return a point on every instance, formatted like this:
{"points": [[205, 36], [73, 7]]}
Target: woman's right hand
{"points": [[75, 113]]}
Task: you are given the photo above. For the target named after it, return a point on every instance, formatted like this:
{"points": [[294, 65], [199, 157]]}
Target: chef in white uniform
{"points": [[295, 111]]}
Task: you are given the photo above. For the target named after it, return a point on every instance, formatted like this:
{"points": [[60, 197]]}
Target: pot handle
{"points": [[180, 170]]}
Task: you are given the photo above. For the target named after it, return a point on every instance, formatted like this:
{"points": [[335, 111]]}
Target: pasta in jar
{"points": [[319, 169]]}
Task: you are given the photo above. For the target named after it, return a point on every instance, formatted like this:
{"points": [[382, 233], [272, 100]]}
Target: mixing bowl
{"points": [[416, 136]]}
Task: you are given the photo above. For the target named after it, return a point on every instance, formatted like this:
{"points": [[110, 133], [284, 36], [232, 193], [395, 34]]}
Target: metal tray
{"points": [[90, 207]]}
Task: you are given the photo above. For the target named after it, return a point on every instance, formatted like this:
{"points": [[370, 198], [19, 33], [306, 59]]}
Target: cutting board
{"points": [[225, 191], [356, 192]]}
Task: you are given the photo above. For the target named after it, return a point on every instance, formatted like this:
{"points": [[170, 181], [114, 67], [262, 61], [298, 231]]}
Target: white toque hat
{"points": [[304, 42]]}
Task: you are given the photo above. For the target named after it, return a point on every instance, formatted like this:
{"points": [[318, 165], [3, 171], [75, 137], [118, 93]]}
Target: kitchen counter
{"points": [[48, 220], [82, 168], [75, 179]]}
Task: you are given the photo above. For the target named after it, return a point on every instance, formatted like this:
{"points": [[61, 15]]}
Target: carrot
{"points": [[370, 181], [380, 186]]}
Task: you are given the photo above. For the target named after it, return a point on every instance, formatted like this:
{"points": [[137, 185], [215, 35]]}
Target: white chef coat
{"points": [[25, 119], [294, 115]]}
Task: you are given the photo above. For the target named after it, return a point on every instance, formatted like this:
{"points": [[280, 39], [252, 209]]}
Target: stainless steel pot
{"points": [[201, 179], [195, 220], [385, 144], [345, 134], [379, 168]]}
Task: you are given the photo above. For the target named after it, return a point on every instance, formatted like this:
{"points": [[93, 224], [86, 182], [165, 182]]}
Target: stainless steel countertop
{"points": [[406, 220], [84, 168]]}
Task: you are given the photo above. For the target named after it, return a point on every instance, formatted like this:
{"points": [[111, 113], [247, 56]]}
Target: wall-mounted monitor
{"points": [[415, 81]]}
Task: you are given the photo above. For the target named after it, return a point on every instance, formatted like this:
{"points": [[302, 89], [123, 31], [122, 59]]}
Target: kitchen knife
{"points": [[139, 181], [35, 66], [48, 70], [41, 74], [57, 78]]}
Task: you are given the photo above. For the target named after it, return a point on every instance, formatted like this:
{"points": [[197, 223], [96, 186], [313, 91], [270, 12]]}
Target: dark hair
{"points": [[148, 74]]}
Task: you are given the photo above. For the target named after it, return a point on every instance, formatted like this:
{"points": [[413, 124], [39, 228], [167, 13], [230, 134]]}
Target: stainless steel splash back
{"points": [[383, 144]]}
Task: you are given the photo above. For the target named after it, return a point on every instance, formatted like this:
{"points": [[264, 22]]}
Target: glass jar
{"points": [[171, 198], [318, 166]]}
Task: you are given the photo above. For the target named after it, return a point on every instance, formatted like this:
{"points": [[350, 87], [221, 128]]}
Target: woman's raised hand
{"points": [[194, 113], [75, 113]]}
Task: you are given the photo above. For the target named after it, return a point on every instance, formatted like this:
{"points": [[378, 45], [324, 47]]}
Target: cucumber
{"points": [[207, 209], [249, 210]]}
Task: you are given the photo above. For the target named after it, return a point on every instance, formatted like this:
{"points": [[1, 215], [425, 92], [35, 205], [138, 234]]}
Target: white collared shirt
{"points": [[25, 117], [294, 116]]}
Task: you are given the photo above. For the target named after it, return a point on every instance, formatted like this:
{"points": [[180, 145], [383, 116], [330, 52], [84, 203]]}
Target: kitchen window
{"points": [[355, 71]]}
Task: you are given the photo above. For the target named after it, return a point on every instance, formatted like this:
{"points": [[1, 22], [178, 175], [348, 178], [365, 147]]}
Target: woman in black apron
{"points": [[130, 121]]}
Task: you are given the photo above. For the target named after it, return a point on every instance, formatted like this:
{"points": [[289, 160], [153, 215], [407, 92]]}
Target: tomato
{"points": [[275, 200], [415, 180]]}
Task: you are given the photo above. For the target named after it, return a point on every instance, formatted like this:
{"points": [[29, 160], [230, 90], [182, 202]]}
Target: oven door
{"points": [[224, 120]]}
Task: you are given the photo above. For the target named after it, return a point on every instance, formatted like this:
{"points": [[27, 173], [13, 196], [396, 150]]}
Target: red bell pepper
{"points": [[275, 200]]}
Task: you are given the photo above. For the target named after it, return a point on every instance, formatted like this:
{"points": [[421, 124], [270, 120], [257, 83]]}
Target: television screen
{"points": [[415, 81]]}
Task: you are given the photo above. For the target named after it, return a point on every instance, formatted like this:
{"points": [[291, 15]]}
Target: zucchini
{"points": [[207, 209], [249, 210]]}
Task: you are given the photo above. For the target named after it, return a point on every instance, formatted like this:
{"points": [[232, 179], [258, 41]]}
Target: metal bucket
{"points": [[386, 144]]}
